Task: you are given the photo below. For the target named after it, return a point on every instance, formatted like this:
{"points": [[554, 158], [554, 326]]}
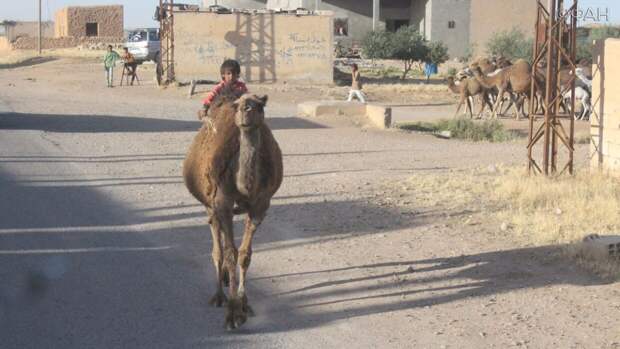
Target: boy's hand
{"points": [[202, 113]]}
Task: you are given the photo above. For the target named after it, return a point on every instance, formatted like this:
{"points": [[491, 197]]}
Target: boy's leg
{"points": [[111, 76], [361, 96], [350, 96], [107, 77]]}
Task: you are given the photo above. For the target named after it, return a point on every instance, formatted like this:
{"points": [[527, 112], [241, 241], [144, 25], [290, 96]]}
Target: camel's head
{"points": [[250, 111], [474, 67]]}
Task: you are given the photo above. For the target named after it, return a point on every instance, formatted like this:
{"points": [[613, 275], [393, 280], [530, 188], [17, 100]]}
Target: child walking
{"points": [[109, 61], [230, 71], [356, 85]]}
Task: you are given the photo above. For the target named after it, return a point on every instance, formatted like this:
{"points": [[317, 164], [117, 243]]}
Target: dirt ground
{"points": [[343, 259]]}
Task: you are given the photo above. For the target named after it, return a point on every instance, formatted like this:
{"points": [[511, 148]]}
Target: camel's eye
{"points": [[248, 108]]}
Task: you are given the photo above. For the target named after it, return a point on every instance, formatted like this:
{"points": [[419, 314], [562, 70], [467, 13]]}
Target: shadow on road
{"points": [[27, 62], [109, 123]]}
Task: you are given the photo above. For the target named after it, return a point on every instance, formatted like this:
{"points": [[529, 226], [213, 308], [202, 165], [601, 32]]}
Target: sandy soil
{"points": [[342, 259]]}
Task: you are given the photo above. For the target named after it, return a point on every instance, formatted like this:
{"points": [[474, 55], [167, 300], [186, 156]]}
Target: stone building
{"points": [[90, 21], [460, 24]]}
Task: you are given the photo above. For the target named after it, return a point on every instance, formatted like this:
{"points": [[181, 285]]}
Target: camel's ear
{"points": [[263, 99]]}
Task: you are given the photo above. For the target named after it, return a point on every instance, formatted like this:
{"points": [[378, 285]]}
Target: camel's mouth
{"points": [[247, 126]]}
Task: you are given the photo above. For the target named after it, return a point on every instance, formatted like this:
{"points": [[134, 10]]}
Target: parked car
{"points": [[144, 44]]}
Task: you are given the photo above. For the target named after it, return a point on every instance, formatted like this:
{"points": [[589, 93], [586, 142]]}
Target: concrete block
{"points": [[327, 108], [378, 116]]}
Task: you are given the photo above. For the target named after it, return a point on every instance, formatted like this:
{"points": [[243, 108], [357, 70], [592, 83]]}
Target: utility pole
{"points": [[40, 31], [376, 6]]}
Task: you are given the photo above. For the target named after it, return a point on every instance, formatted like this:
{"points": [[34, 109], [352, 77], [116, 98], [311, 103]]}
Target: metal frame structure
{"points": [[165, 64], [555, 48]]}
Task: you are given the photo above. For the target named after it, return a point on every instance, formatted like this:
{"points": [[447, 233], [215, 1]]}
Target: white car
{"points": [[144, 44]]}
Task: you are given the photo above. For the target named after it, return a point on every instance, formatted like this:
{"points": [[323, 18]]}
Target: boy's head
{"points": [[109, 47], [354, 67], [126, 49], [230, 70]]}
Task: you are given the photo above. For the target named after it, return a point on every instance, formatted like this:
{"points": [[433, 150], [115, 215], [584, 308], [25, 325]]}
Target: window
{"points": [[341, 26], [92, 29], [154, 35], [392, 25], [451, 24], [137, 36]]}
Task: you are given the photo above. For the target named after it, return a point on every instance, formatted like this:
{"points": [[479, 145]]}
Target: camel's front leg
{"points": [[496, 106], [239, 306]]}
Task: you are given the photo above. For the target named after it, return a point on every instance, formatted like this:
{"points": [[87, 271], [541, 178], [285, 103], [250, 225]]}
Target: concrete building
{"points": [[269, 47], [12, 30], [90, 21], [460, 24]]}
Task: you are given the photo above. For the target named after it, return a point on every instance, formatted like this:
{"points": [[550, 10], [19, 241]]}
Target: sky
{"points": [[138, 13]]}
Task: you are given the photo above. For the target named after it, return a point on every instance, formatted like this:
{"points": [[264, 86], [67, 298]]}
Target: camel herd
{"points": [[491, 80]]}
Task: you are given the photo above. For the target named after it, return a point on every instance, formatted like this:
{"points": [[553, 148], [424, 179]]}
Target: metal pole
{"points": [[39, 42], [375, 14], [550, 87]]}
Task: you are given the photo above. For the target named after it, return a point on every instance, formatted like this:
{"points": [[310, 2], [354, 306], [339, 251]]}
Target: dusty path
{"points": [[102, 246]]}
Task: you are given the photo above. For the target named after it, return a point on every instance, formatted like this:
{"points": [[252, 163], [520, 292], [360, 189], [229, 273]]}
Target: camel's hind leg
{"points": [[218, 261], [219, 298]]}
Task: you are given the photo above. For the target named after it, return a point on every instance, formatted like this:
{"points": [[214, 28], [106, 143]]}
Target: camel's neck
{"points": [[247, 175], [452, 87], [484, 80]]}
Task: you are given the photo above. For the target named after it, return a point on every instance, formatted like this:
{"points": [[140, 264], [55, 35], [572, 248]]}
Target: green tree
{"points": [[437, 53], [377, 45], [604, 32], [409, 47], [511, 44]]}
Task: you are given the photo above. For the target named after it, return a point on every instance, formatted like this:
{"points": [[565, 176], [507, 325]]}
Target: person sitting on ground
{"points": [[130, 64], [109, 61], [230, 71], [356, 85]]}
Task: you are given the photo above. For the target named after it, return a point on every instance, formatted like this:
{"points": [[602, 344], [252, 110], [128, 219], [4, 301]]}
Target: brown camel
{"points": [[515, 79], [235, 170], [466, 89]]}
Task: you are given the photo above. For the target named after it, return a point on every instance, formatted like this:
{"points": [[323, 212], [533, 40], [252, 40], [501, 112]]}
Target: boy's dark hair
{"points": [[126, 48], [110, 46], [354, 66], [230, 65]]}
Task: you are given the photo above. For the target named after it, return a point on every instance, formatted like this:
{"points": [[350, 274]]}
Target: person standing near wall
{"points": [[109, 61], [356, 85]]}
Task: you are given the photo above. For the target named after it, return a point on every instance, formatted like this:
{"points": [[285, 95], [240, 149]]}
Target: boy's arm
{"points": [[213, 93]]}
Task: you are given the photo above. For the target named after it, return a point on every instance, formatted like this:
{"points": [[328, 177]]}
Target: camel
{"points": [[515, 79], [467, 89], [235, 170]]}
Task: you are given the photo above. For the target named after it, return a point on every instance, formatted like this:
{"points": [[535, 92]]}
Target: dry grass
{"points": [[536, 209], [487, 130]]}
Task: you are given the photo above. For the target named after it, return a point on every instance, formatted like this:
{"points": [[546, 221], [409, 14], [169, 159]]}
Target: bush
{"points": [[490, 130], [377, 45], [406, 45], [437, 53], [452, 71], [409, 47], [604, 32], [510, 44]]}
